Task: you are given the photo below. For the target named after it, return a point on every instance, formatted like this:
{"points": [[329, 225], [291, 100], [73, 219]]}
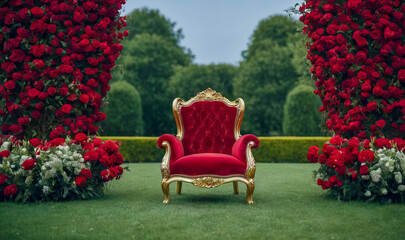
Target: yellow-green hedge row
{"points": [[272, 149]]}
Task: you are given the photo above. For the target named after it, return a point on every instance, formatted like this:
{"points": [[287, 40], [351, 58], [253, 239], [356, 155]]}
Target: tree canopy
{"points": [[189, 80], [151, 21]]}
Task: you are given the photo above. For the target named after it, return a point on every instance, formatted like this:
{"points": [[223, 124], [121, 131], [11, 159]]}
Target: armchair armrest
{"points": [[175, 147], [240, 147], [174, 150]]}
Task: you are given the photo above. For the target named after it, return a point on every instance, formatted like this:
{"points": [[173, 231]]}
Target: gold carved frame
{"points": [[208, 181]]}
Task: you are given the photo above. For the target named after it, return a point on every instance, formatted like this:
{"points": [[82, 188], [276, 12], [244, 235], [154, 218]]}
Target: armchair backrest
{"points": [[208, 122]]}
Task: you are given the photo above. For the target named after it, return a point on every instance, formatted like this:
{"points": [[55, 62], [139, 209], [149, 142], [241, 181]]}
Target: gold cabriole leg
{"points": [[166, 190], [249, 191], [235, 187], [179, 187]]}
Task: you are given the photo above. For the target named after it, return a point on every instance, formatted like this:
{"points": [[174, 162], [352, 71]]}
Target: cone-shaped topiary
{"points": [[301, 116], [124, 111]]}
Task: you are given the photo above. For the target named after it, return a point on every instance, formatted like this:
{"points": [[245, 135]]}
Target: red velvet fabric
{"points": [[239, 148], [208, 127], [208, 164], [176, 147]]}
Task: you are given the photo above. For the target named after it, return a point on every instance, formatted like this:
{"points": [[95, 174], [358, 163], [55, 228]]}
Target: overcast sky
{"points": [[216, 31]]}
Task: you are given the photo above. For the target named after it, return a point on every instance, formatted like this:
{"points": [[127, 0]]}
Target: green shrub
{"points": [[272, 149], [124, 111], [301, 115]]}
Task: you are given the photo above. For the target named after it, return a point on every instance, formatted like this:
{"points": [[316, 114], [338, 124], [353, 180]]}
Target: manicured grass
{"points": [[288, 205]]}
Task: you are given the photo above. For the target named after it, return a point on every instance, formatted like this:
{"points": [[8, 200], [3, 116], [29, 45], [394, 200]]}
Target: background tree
{"points": [[301, 115], [278, 28], [148, 61], [151, 21], [124, 111], [267, 75], [191, 79]]}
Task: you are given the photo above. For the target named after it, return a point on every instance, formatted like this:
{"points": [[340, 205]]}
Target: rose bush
{"points": [[55, 59], [57, 170], [357, 52], [354, 169], [55, 62]]}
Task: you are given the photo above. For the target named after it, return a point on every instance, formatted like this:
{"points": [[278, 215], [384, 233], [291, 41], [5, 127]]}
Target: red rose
{"points": [[84, 98], [80, 181], [52, 28], [17, 56], [63, 91], [109, 146], [97, 142], [54, 134], [80, 137], [380, 123], [29, 164], [8, 66], [33, 93], [55, 142], [4, 153], [43, 95], [401, 75], [312, 155], [38, 63], [15, 128], [38, 26], [105, 175], [105, 160], [86, 173], [366, 155], [66, 108], [120, 170], [52, 91], [3, 179], [91, 156], [10, 190], [363, 170], [113, 172], [92, 83], [371, 106], [37, 12], [15, 3], [36, 114], [38, 50], [336, 140], [35, 142], [23, 120], [72, 97], [10, 84]]}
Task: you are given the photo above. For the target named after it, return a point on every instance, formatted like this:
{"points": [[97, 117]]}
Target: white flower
{"points": [[401, 188], [367, 193], [28, 180], [45, 190], [384, 191], [365, 177], [376, 175], [398, 177]]}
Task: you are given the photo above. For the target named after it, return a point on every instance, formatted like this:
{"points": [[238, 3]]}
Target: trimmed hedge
{"points": [[272, 149], [301, 115]]}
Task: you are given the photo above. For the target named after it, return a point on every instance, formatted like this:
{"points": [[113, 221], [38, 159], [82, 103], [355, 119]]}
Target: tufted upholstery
{"points": [[208, 127]]}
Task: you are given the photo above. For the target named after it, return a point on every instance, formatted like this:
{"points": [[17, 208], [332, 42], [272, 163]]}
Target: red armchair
{"points": [[208, 150]]}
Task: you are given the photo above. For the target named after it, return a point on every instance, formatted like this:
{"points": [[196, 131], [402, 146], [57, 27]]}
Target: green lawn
{"points": [[288, 205]]}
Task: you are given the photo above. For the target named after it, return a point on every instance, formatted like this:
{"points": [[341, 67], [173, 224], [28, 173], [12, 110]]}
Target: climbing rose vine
{"points": [[357, 52], [55, 62], [56, 57]]}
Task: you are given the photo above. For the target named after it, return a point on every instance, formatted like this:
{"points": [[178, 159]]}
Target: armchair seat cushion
{"points": [[208, 164]]}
